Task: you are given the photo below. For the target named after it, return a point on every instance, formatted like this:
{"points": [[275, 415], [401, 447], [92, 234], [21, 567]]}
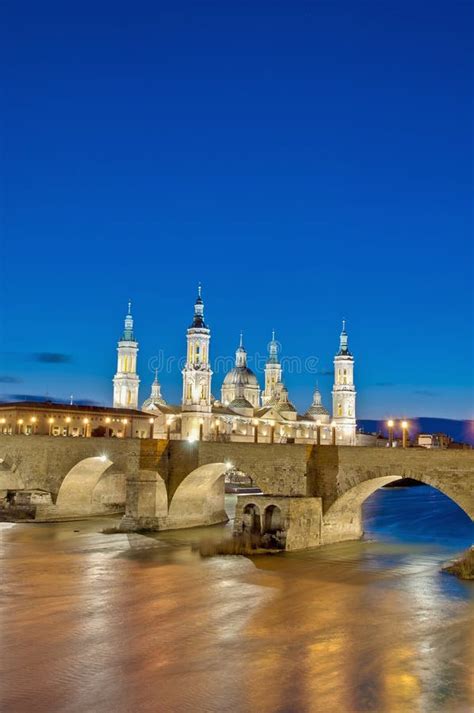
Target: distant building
{"points": [[434, 440], [47, 418]]}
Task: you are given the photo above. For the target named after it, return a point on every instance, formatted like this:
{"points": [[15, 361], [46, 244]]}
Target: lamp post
{"points": [[201, 428], [255, 431], [68, 421], [272, 433], [33, 424], [333, 427], [404, 433], [390, 425], [151, 421], [50, 421], [20, 424], [217, 425], [318, 433], [85, 421]]}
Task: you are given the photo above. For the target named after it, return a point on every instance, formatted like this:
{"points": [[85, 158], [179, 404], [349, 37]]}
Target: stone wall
{"points": [[333, 471]]}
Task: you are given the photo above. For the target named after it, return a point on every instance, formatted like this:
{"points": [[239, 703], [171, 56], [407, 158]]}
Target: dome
{"points": [[316, 409], [240, 376], [240, 402]]}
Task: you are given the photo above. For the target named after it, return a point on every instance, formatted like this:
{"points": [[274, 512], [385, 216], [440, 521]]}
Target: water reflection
{"points": [[90, 622]]}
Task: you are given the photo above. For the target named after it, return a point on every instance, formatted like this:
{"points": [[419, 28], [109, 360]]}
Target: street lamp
{"points": [[151, 421], [404, 433], [318, 432], [390, 424], [85, 421], [68, 421], [50, 421], [20, 424], [255, 431], [333, 426], [201, 428]]}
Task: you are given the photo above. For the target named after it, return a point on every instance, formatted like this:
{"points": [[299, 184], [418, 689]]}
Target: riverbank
{"points": [[463, 567]]}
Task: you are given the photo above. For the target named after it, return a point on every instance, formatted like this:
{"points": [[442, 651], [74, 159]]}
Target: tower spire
{"points": [[128, 324], [343, 347], [198, 319], [241, 354], [273, 350]]}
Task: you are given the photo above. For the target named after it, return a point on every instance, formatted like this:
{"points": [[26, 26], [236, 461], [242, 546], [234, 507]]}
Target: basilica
{"points": [[244, 412]]}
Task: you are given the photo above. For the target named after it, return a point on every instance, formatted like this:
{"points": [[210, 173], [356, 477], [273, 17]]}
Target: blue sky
{"points": [[306, 161]]}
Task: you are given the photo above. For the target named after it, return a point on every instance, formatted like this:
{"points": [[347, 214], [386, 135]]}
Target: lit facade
{"points": [[126, 381], [46, 418], [244, 412]]}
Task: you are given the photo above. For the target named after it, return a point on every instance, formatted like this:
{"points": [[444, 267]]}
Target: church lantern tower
{"points": [[197, 371], [272, 371], [344, 393], [126, 381]]}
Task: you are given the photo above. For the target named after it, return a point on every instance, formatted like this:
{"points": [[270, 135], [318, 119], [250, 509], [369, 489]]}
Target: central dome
{"points": [[241, 376]]}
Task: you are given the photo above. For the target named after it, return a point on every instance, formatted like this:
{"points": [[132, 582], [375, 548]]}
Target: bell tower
{"points": [[126, 381], [197, 371], [344, 393], [272, 371]]}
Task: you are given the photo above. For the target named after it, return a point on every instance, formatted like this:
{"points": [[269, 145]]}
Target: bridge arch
{"points": [[199, 498], [251, 519], [77, 489], [343, 519]]}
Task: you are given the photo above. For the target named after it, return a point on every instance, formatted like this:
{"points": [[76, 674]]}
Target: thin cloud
{"points": [[47, 398], [325, 372], [52, 358], [4, 379]]}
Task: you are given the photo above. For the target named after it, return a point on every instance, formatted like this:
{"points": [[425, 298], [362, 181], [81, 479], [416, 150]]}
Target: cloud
{"points": [[4, 379], [54, 399], [424, 392], [385, 383], [29, 397], [52, 358], [325, 372]]}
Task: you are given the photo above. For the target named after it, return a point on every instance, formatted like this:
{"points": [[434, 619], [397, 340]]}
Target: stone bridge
{"points": [[317, 491]]}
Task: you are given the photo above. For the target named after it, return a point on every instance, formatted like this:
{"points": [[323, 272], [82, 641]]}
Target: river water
{"points": [[129, 624]]}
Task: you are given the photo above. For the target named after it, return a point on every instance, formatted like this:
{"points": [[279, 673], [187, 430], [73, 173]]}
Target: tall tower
{"points": [[197, 371], [126, 381], [344, 393], [272, 371]]}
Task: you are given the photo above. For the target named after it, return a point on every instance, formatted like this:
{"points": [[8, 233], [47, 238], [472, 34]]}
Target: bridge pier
{"points": [[294, 521]]}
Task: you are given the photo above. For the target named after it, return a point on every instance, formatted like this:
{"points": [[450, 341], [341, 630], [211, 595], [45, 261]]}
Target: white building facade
{"points": [[243, 412], [126, 381]]}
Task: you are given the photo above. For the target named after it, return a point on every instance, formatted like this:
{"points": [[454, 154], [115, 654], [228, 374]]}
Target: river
{"points": [[131, 624]]}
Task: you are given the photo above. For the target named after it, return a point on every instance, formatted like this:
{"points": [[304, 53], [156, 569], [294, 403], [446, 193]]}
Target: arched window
{"points": [[339, 409], [251, 519], [272, 519]]}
